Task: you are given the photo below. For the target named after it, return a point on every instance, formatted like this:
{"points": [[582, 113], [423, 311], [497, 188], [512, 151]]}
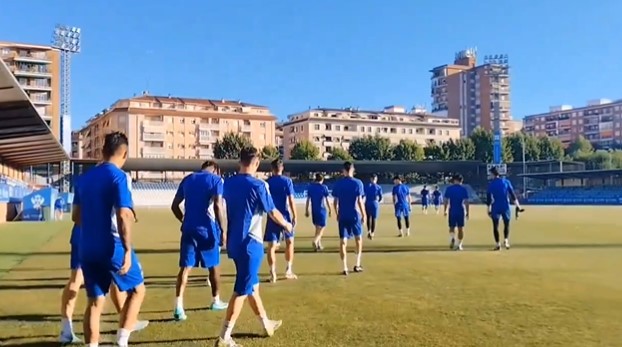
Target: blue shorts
{"points": [[424, 202], [350, 228], [319, 219], [275, 233], [74, 260], [456, 220], [198, 251], [437, 203], [100, 274], [402, 211], [247, 267], [372, 211], [505, 215]]}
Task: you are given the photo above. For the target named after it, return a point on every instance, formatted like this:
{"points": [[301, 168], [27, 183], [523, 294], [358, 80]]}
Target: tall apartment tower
{"points": [[37, 70], [465, 91]]}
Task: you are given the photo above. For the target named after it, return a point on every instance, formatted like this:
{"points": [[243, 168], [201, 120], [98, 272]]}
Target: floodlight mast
{"points": [[497, 68], [67, 40]]}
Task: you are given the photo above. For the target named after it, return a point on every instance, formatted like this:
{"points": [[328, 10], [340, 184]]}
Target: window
{"points": [[328, 127], [316, 127]]}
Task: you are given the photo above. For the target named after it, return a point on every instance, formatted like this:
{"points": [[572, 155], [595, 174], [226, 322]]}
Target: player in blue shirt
{"points": [[457, 199], [317, 197], [498, 196], [401, 203], [248, 198], [348, 197], [59, 206], [282, 191], [425, 199], [436, 199], [373, 197], [201, 231], [103, 210]]}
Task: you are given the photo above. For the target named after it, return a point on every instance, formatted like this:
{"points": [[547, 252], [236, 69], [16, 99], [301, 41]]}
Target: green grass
{"points": [[560, 285]]}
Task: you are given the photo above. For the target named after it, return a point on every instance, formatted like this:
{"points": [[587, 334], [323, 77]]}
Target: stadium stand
{"points": [[611, 195]]}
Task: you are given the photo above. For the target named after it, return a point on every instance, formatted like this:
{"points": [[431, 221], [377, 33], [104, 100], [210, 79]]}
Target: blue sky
{"points": [[292, 54]]}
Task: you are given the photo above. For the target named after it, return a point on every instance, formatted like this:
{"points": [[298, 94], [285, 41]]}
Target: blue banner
{"points": [[37, 202]]}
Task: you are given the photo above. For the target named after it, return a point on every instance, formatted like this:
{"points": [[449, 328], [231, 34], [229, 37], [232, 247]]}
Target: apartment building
{"points": [[77, 143], [174, 127], [466, 91], [600, 122], [279, 138], [328, 128], [37, 70]]}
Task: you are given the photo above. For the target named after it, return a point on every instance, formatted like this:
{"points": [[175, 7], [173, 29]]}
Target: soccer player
{"points": [[282, 191], [248, 198], [59, 206], [457, 199], [373, 196], [436, 199], [348, 197], [317, 198], [103, 210], [499, 190], [201, 232], [401, 203], [425, 199]]}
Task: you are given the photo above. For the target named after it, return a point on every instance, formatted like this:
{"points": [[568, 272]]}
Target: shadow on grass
{"points": [[29, 318], [33, 344]]}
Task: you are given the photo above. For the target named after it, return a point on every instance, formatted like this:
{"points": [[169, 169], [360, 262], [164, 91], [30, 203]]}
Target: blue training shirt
{"points": [[100, 192], [456, 193], [281, 188], [373, 194], [59, 203], [248, 198], [317, 193], [436, 195], [401, 193], [347, 190], [424, 194], [198, 190], [500, 190]]}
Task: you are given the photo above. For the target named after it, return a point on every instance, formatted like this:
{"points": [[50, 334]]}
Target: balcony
{"points": [[205, 153], [41, 101], [153, 151], [153, 126], [29, 86], [38, 58], [205, 139], [30, 71], [208, 126], [153, 137]]}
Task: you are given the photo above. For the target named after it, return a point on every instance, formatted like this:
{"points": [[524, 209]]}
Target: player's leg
{"points": [[372, 223], [398, 217], [507, 217], [344, 235], [460, 237], [209, 256], [495, 229], [357, 232], [133, 284], [452, 233], [368, 219], [214, 277], [68, 303], [118, 299], [289, 256], [97, 280], [407, 222], [272, 237], [319, 221], [188, 258]]}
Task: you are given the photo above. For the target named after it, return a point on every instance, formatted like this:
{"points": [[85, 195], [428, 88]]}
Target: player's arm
{"points": [[445, 205], [291, 201], [75, 209], [307, 203], [489, 199], [177, 200], [125, 217], [219, 210], [360, 202], [512, 194], [467, 206], [270, 209], [326, 194], [380, 194]]}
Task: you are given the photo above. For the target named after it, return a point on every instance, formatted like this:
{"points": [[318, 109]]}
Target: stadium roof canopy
{"points": [[299, 166], [574, 174], [25, 138]]}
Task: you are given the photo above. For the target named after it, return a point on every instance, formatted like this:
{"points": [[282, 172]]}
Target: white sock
{"points": [[507, 241], [217, 298], [179, 303], [452, 236], [123, 337], [345, 263], [460, 243], [401, 232], [227, 329], [358, 258], [408, 231], [67, 326], [273, 269], [264, 320], [288, 269], [94, 344]]}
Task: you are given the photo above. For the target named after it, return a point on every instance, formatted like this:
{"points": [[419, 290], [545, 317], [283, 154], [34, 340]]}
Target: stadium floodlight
{"points": [[67, 40]]}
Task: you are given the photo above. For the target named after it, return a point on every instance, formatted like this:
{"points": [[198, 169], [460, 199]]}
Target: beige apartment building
{"points": [[329, 128], [600, 122], [173, 127], [465, 91], [37, 70]]}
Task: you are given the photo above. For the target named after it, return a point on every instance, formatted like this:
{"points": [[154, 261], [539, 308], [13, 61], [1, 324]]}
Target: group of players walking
{"points": [[103, 257]]}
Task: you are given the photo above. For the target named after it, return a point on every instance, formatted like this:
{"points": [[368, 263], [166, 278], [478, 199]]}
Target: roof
{"points": [[194, 101], [574, 174], [25, 138]]}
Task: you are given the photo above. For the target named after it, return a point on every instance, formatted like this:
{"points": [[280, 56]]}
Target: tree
{"points": [[305, 150], [550, 149], [371, 148], [515, 144], [408, 150], [270, 152], [434, 151], [230, 145], [338, 153], [461, 149], [579, 147], [482, 142]]}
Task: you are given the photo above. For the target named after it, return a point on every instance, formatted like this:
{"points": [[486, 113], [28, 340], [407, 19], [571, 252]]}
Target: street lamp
{"points": [[524, 167], [67, 40]]}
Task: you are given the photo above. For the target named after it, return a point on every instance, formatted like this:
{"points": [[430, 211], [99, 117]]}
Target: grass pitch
{"points": [[560, 285]]}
